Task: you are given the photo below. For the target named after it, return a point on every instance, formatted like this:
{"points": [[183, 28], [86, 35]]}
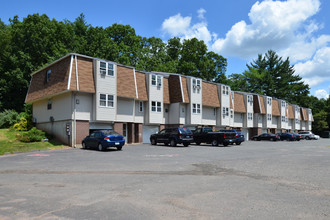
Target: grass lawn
{"points": [[10, 144]]}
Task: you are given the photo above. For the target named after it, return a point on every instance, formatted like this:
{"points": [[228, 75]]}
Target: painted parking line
{"points": [[162, 155], [38, 155]]}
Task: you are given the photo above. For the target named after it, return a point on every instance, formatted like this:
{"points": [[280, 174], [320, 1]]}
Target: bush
{"points": [[22, 125], [33, 135], [8, 118]]}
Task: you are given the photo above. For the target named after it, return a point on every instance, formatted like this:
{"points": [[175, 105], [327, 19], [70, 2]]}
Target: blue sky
{"points": [[239, 30]]}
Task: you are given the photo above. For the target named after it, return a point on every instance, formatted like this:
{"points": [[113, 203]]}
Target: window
{"points": [[225, 90], [196, 108], [231, 113], [110, 69], [283, 103], [283, 118], [269, 101], [225, 112], [106, 69], [140, 106], [156, 80], [250, 117], [49, 104], [103, 68], [196, 85], [156, 106], [269, 117], [106, 100], [250, 99], [48, 75]]}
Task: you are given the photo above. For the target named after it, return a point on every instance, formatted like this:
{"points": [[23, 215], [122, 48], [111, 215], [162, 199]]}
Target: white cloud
{"points": [[283, 26], [178, 26], [321, 93]]}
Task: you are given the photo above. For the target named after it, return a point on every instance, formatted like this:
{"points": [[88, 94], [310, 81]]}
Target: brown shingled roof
{"points": [[239, 103], [291, 115], [210, 95], [141, 86], [185, 89], [175, 88], [57, 83], [303, 113], [125, 80], [256, 104], [166, 92], [262, 105], [275, 108]]}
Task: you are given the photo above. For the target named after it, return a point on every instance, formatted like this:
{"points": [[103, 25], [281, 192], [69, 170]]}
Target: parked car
{"points": [[308, 135], [298, 136], [104, 139], [172, 136], [287, 136], [206, 135], [265, 136], [239, 136]]}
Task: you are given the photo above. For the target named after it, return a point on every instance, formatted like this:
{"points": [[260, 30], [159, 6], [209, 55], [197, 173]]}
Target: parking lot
{"points": [[255, 180]]}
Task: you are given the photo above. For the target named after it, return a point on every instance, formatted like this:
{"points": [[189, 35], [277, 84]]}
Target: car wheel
{"points": [[84, 145], [255, 139], [308, 138], [153, 141], [166, 144], [100, 147], [215, 143], [198, 143], [225, 144], [238, 143], [186, 144], [272, 139], [119, 148], [173, 143]]}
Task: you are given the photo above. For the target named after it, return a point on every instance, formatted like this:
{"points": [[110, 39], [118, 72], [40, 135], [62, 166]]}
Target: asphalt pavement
{"points": [[255, 180]]}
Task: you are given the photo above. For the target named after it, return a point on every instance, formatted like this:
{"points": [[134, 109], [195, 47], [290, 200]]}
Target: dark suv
{"points": [[172, 136], [239, 137]]}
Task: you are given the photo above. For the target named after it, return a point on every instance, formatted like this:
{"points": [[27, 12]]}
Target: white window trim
{"points": [[107, 100], [140, 106], [106, 69], [196, 108], [157, 104]]}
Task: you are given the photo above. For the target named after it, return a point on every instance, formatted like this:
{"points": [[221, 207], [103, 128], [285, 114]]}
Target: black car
{"points": [[239, 137], [172, 136], [287, 136], [298, 136], [265, 136], [103, 139]]}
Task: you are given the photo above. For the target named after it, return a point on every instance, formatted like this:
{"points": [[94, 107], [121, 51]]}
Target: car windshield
{"points": [[185, 131], [109, 132]]}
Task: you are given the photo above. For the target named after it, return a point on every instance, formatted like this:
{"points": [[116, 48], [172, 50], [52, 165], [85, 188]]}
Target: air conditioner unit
{"points": [[51, 118], [159, 84], [103, 72], [198, 87], [194, 87]]}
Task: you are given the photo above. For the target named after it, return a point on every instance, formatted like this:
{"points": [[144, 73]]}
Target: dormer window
{"points": [[156, 80], [269, 101], [250, 99], [196, 85], [225, 90], [283, 103], [48, 75], [107, 69]]}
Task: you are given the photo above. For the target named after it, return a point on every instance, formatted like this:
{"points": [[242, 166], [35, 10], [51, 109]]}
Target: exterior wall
{"points": [[82, 130], [139, 115], [125, 109], [275, 121], [61, 108], [105, 85], [195, 99], [224, 92], [297, 117], [238, 120], [58, 130], [155, 95], [84, 106], [209, 116], [166, 114], [249, 110]]}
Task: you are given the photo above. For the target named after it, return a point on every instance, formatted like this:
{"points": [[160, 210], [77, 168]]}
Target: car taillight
{"points": [[180, 136], [291, 135], [236, 135], [106, 138], [224, 135]]}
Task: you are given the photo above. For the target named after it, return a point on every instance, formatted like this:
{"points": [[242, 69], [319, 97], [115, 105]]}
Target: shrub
{"points": [[22, 125], [33, 135], [8, 118]]}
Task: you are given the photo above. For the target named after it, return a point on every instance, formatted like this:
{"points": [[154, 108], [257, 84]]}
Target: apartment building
{"points": [[78, 94]]}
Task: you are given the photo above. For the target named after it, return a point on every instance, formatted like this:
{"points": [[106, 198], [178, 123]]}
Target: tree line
{"points": [[30, 44]]}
